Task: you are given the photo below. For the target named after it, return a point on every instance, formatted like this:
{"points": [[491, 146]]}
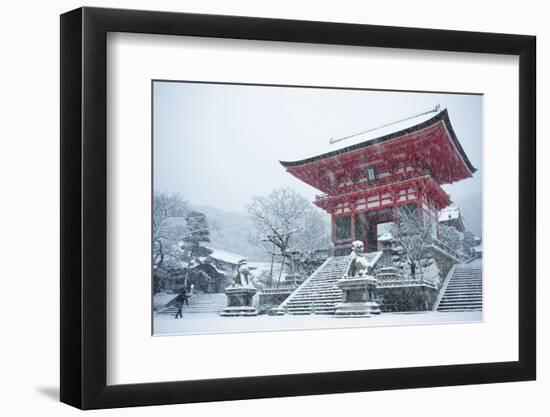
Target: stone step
{"points": [[476, 303], [467, 274], [320, 290], [318, 295], [464, 286], [464, 291], [468, 299], [311, 300], [326, 286], [318, 287], [467, 280], [472, 298], [305, 311], [316, 300], [316, 306], [461, 298], [461, 305], [308, 305]]}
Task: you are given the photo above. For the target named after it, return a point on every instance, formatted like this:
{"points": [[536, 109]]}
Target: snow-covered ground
{"points": [[213, 323]]}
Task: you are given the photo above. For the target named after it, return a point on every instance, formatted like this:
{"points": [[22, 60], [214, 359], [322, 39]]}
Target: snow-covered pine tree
{"points": [[197, 232]]}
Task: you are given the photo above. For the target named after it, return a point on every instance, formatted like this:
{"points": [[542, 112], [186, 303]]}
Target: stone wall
{"points": [[406, 298], [270, 300], [444, 262]]}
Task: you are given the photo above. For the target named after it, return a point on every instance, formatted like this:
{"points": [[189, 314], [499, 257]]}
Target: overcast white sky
{"points": [[218, 145]]}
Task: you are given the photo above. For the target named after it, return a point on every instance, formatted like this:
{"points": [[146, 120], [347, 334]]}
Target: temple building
{"points": [[365, 185]]}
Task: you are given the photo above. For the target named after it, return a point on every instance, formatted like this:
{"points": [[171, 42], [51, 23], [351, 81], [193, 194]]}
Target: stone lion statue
{"points": [[242, 277], [359, 266]]}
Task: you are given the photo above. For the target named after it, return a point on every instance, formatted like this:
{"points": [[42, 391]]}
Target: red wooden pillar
{"points": [[352, 221], [333, 228], [419, 203], [395, 212]]}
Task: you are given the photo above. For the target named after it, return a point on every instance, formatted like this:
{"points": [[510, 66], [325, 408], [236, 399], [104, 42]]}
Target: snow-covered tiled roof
{"points": [[375, 136], [225, 256], [386, 236], [323, 147], [449, 213]]}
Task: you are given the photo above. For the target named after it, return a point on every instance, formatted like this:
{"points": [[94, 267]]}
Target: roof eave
{"points": [[443, 115]]}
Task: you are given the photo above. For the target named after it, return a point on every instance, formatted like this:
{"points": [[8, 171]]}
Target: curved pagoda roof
{"points": [[435, 137]]}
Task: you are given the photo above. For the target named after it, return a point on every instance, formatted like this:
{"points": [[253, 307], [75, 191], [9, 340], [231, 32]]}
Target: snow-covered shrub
{"points": [[451, 237]]}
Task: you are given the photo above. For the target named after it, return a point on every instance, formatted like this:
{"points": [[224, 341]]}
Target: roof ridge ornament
{"points": [[433, 110]]}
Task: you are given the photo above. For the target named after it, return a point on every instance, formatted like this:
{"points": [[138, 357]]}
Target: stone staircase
{"points": [[201, 303], [463, 290], [319, 293]]}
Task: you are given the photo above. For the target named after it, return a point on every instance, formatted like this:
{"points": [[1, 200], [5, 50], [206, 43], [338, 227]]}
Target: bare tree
{"points": [[286, 220], [414, 235], [286, 223]]}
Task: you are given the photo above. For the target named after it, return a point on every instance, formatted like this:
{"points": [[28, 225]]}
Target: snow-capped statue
{"points": [[240, 294], [242, 277], [359, 266]]}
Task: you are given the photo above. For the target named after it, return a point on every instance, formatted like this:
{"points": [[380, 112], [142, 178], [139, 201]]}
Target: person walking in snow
{"points": [[179, 305]]}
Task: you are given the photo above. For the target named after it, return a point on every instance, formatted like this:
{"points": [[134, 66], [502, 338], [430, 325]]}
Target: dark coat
{"points": [[179, 302]]}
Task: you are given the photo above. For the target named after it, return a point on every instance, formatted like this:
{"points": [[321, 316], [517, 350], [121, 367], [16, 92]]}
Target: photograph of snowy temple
{"points": [[283, 208]]}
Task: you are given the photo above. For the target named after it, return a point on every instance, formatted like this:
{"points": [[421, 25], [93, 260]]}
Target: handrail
{"points": [[280, 290], [444, 247]]}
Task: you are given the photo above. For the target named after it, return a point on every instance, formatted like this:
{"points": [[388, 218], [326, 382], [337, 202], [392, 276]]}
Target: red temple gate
{"points": [[365, 184]]}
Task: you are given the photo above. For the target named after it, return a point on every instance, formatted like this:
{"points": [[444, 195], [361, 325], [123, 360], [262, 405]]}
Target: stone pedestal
{"points": [[239, 301], [388, 274], [358, 297]]}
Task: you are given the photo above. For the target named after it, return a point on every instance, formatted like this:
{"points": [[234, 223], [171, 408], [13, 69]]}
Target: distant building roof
{"points": [[225, 256], [449, 213]]}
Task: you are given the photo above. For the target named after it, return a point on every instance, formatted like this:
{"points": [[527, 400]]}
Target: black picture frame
{"points": [[84, 207]]}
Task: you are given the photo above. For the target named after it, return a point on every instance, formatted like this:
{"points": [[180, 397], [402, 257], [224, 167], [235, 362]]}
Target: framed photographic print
{"points": [[257, 207]]}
